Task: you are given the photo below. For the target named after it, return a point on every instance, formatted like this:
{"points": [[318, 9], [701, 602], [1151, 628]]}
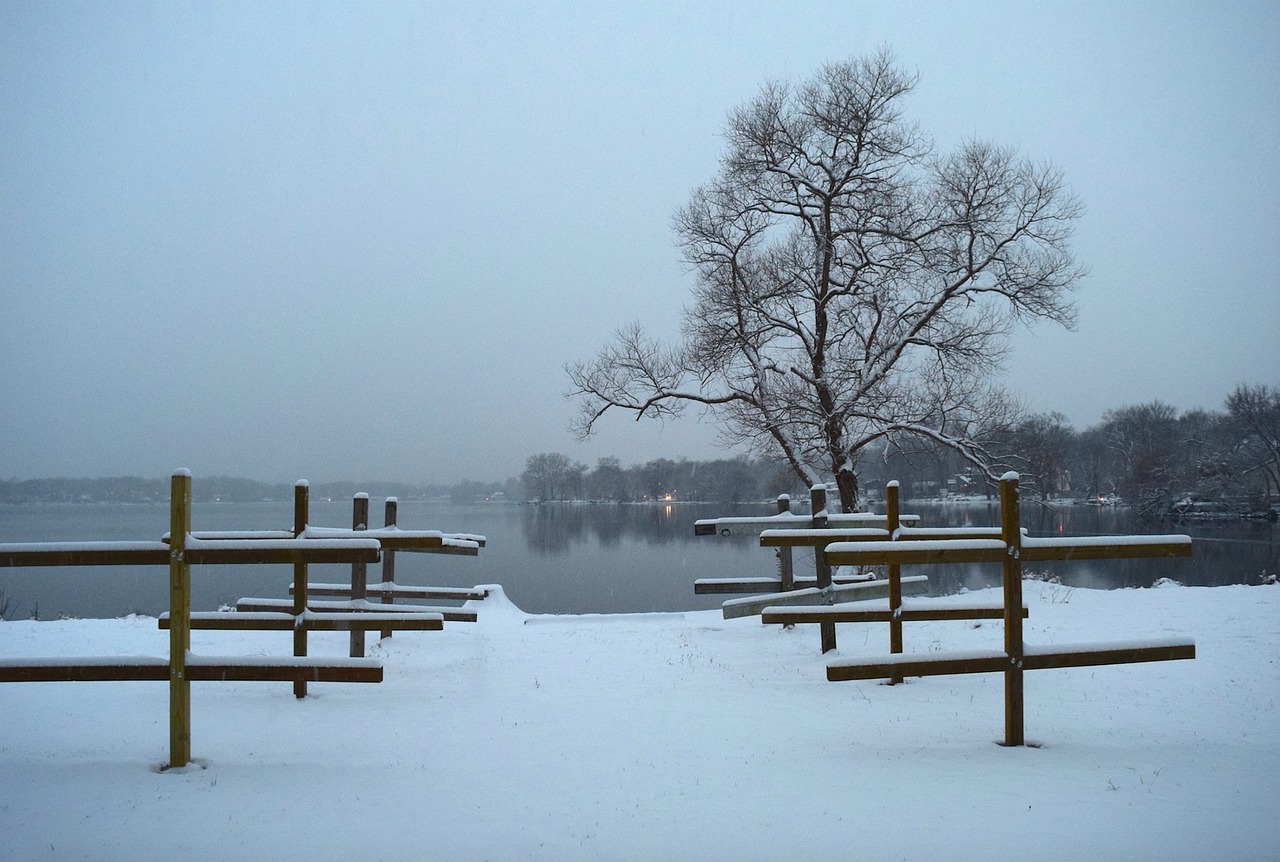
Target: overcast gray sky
{"points": [[338, 240]]}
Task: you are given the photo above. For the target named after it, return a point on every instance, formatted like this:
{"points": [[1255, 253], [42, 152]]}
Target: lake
{"points": [[572, 559]]}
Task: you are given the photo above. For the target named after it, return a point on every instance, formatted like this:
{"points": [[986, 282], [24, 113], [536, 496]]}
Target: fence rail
{"points": [[180, 549]]}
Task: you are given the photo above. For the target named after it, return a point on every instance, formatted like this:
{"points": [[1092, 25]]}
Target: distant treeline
{"points": [[228, 489], [554, 477], [1149, 455]]}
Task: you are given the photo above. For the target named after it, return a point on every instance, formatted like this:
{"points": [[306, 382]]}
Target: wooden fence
{"points": [[180, 551], [785, 532], [1010, 549]]}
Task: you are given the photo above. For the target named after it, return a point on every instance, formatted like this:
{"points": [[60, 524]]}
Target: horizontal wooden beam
{"points": [[84, 669], [903, 665], [1038, 549], [254, 605], [327, 622], [915, 552], [847, 614], [747, 607], [1089, 655], [820, 538], [400, 591], [933, 533], [1034, 658], [720, 586], [827, 535], [752, 526], [22, 554], [258, 669], [280, 551]]}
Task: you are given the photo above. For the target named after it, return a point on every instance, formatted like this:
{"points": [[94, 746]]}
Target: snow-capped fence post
{"points": [[359, 572], [301, 515], [179, 619], [388, 561], [818, 508], [1011, 535], [786, 574], [182, 549], [892, 521], [1010, 550]]}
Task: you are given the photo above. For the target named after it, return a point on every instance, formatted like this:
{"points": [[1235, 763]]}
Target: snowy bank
{"points": [[664, 736]]}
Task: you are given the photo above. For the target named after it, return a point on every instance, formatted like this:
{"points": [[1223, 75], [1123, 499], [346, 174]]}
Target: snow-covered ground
{"points": [[664, 736]]}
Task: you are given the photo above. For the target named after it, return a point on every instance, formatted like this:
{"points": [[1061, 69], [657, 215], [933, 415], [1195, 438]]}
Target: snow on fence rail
{"points": [[182, 549], [1009, 550], [391, 539], [816, 532]]}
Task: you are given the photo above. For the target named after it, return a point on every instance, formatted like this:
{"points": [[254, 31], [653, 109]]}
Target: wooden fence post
{"points": [[818, 508], [892, 522], [786, 574], [1011, 534], [359, 571], [179, 619], [301, 515], [388, 560]]}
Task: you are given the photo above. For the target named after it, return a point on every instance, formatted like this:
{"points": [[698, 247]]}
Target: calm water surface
{"points": [[567, 558]]}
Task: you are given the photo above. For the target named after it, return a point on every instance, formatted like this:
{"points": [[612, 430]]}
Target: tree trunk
{"points": [[847, 485]]}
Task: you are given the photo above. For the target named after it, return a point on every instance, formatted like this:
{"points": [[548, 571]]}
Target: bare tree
{"points": [[851, 284], [1147, 442], [1042, 445], [552, 476], [1255, 414]]}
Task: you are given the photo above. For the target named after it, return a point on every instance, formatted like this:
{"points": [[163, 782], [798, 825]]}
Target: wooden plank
{"points": [[1104, 547], [402, 540], [907, 613], [725, 586], [746, 607], [255, 605], [897, 666], [1089, 655], [948, 533], [754, 525], [916, 552], [281, 551], [401, 591], [819, 538], [85, 669], [240, 669], [364, 622], [199, 668], [23, 554], [325, 622], [1034, 658]]}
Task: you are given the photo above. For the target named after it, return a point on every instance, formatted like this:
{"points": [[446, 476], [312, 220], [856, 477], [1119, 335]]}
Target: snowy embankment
{"points": [[665, 736]]}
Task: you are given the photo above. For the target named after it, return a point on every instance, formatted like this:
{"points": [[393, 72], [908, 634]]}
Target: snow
{"points": [[820, 533], [343, 533], [82, 547], [1109, 541], [1106, 646], [917, 545], [664, 736]]}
